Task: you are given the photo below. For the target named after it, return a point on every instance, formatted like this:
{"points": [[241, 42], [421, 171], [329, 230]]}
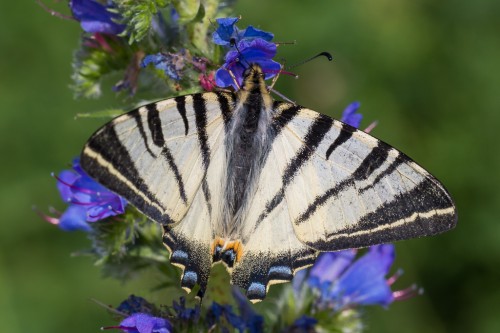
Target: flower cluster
{"points": [[88, 200], [323, 297], [143, 323], [247, 46], [125, 36], [344, 283]]}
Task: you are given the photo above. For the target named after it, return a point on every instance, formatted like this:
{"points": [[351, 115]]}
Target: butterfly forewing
{"points": [[157, 156], [360, 191]]}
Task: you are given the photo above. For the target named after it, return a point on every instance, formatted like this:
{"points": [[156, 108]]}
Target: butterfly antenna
{"points": [[325, 54], [232, 43]]}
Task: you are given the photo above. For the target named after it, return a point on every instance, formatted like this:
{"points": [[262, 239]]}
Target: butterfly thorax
{"points": [[246, 149]]}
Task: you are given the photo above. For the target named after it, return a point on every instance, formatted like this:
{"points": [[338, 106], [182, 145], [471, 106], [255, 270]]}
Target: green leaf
{"points": [[138, 16], [95, 59], [198, 28], [187, 9]]}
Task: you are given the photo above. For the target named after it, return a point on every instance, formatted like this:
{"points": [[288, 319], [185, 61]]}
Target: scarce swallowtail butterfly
{"points": [[261, 185]]}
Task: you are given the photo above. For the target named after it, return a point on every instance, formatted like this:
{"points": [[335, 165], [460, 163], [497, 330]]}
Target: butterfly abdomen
{"points": [[246, 148]]}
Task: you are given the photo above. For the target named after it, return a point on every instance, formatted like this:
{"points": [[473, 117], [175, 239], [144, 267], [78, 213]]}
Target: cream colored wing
{"points": [[347, 189], [166, 159], [336, 187], [272, 251]]}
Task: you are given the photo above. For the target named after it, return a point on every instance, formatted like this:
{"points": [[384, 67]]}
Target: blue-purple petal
{"points": [[304, 324], [74, 218], [256, 51], [217, 311], [364, 281], [256, 48], [349, 115], [89, 201], [225, 31], [94, 17], [66, 179], [144, 323], [253, 321], [252, 32], [253, 46], [329, 267]]}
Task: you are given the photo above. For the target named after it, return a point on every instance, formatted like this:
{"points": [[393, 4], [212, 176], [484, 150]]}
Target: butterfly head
{"points": [[253, 79]]}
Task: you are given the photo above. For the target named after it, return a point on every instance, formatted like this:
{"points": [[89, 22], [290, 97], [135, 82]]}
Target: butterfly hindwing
{"points": [[272, 251]]}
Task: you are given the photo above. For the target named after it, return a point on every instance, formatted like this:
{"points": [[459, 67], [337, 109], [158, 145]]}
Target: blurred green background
{"points": [[428, 71]]}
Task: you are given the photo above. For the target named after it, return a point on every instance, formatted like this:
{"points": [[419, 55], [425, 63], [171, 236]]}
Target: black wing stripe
{"points": [[154, 124], [109, 147], [225, 108], [206, 194], [155, 127], [345, 134], [181, 107], [315, 134], [178, 177], [284, 117], [431, 214], [369, 164], [399, 160], [313, 138], [201, 127], [138, 120], [372, 161]]}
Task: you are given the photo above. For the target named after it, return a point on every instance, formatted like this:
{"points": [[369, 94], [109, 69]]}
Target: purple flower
{"points": [[186, 314], [88, 200], [350, 115], [329, 267], [143, 323], [253, 321], [227, 33], [248, 46], [217, 311], [343, 282], [95, 17], [135, 304], [303, 324], [255, 51]]}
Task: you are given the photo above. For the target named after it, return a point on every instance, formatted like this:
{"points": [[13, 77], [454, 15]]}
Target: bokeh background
{"points": [[428, 71]]}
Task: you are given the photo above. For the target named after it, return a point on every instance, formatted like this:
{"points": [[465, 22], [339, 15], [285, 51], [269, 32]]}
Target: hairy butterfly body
{"points": [[261, 185]]}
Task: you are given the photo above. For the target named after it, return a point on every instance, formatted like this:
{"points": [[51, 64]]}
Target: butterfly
{"points": [[262, 186]]}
